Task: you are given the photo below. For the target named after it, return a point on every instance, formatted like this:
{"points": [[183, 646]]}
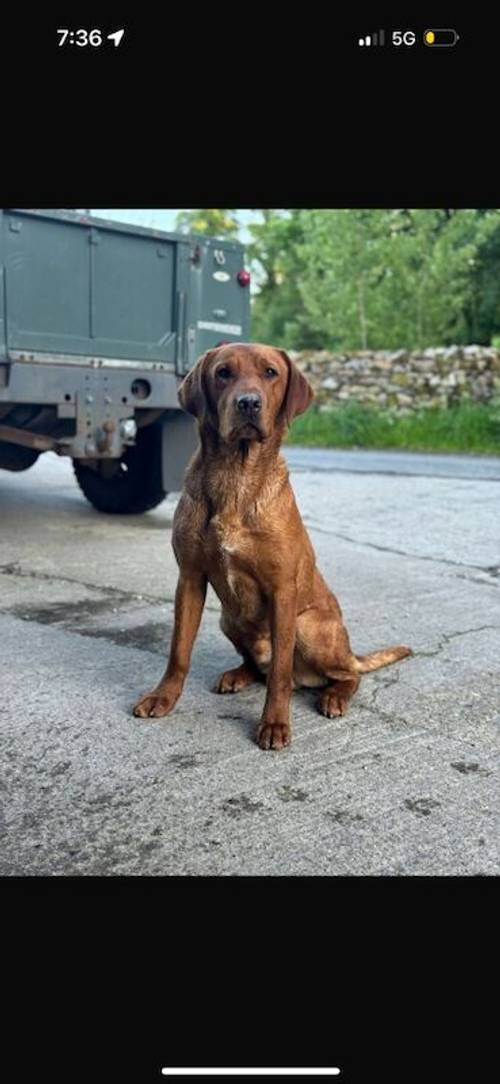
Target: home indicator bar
{"points": [[251, 1072]]}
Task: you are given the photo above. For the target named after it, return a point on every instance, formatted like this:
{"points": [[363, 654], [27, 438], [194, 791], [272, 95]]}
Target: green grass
{"points": [[470, 427]]}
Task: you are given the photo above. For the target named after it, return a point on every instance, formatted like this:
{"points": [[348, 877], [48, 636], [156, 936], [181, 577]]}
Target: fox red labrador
{"points": [[237, 526]]}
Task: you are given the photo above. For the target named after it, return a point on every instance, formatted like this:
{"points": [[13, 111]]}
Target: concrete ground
{"points": [[405, 783]]}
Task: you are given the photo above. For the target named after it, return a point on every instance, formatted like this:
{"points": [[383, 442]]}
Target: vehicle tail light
{"points": [[243, 278]]}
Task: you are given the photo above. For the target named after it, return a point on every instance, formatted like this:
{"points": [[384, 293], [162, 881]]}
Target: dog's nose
{"points": [[249, 404]]}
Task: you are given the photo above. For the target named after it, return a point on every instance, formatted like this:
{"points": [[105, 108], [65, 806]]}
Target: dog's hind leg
{"points": [[232, 681], [324, 649], [335, 698]]}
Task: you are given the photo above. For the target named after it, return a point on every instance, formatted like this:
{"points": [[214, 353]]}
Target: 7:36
{"points": [[81, 37]]}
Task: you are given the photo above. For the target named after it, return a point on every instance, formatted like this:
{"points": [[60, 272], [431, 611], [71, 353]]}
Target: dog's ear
{"points": [[299, 393], [192, 393]]}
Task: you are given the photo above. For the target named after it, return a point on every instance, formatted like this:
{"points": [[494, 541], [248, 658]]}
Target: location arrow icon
{"points": [[116, 37]]}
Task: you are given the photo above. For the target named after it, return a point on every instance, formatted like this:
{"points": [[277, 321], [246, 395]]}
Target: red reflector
{"points": [[243, 278]]}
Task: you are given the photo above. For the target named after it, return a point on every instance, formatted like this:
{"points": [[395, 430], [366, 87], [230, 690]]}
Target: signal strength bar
{"points": [[378, 38]]}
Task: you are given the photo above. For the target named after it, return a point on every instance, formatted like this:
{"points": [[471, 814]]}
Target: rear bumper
{"points": [[99, 396]]}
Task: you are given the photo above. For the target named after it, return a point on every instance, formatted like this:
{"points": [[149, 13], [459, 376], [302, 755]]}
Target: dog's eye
{"points": [[271, 372], [224, 372]]}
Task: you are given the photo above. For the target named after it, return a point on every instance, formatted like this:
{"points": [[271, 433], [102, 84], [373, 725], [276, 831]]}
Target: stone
{"points": [[398, 356], [321, 357], [382, 363], [358, 364], [424, 365]]}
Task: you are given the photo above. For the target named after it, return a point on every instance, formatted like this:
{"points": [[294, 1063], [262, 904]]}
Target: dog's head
{"points": [[245, 391]]}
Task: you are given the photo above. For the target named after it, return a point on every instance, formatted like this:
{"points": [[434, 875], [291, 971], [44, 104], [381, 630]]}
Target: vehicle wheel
{"points": [[134, 484], [16, 457]]}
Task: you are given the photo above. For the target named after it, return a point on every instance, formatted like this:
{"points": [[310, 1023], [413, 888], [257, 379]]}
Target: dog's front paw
{"points": [[274, 735], [153, 705]]}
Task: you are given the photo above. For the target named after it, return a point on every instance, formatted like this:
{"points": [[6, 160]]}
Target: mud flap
{"points": [[179, 442]]}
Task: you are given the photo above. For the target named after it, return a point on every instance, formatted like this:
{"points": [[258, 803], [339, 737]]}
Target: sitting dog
{"points": [[238, 527]]}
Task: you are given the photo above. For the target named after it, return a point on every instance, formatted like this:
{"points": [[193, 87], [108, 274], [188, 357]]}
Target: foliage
{"points": [[468, 427], [278, 312], [216, 223], [386, 279]]}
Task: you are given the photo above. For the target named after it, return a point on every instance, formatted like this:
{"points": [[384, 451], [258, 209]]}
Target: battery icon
{"points": [[440, 37]]}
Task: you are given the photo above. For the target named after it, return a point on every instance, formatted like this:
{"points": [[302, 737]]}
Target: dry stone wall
{"points": [[402, 380]]}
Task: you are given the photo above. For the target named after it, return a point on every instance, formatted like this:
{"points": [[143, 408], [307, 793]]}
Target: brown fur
{"points": [[238, 527]]}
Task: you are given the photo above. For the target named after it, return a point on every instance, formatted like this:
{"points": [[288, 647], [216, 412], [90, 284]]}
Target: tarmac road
{"points": [[407, 783]]}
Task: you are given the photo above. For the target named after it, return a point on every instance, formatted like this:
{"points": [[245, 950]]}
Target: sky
{"points": [[165, 219]]}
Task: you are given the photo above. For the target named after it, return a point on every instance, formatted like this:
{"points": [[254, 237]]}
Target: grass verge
{"points": [[472, 428]]}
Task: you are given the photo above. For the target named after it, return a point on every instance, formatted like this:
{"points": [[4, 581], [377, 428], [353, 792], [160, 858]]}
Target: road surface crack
{"points": [[12, 569], [447, 637], [490, 571]]}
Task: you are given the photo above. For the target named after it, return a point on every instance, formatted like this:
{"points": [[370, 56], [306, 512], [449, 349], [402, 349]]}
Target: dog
{"points": [[237, 527]]}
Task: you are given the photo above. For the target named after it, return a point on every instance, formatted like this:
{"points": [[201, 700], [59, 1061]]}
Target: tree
{"points": [[344, 259], [482, 305], [278, 313], [218, 223]]}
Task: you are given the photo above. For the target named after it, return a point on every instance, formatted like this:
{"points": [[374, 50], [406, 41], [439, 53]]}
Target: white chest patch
{"points": [[232, 581]]}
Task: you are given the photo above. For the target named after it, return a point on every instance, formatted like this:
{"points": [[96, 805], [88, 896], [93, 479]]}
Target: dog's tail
{"points": [[363, 664]]}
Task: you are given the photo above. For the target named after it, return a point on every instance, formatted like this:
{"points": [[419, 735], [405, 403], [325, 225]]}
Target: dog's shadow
{"points": [[244, 708]]}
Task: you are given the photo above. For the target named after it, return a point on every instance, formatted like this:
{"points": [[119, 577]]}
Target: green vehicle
{"points": [[99, 322]]}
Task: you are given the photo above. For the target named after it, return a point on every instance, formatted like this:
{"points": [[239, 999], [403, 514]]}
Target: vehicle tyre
{"points": [[135, 485], [16, 456]]}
